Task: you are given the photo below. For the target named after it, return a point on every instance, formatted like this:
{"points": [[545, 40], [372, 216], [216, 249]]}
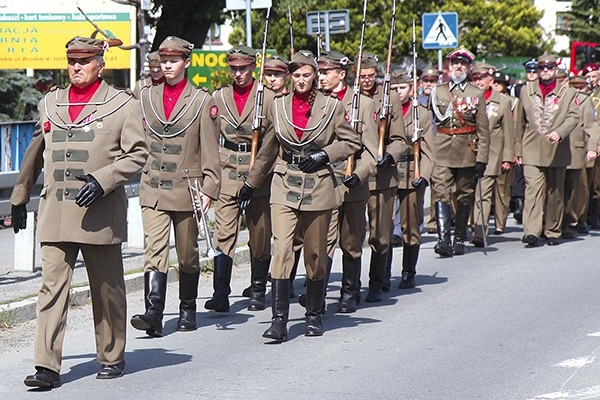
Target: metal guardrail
{"points": [[14, 139]]}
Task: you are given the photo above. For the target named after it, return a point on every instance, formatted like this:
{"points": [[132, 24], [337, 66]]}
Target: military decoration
{"points": [[214, 112], [46, 126]]}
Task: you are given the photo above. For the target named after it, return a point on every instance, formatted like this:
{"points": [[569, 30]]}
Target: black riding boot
{"points": [[315, 305], [258, 285], [302, 297], [460, 231], [155, 291], [376, 274], [387, 273], [518, 214], [410, 255], [350, 288], [280, 305], [188, 292], [442, 214], [221, 284], [293, 273]]}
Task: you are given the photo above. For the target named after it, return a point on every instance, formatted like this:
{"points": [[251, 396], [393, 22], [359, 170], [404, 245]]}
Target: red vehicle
{"points": [[583, 53]]}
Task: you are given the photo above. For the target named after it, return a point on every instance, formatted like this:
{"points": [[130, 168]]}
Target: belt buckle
{"points": [[243, 147], [295, 159]]}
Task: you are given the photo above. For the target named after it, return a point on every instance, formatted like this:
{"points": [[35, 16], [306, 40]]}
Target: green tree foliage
{"points": [[584, 20], [486, 27], [18, 96]]}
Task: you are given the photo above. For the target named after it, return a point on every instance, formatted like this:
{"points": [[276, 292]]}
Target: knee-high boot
{"points": [[280, 305], [410, 255], [376, 274], [315, 299], [293, 273], [302, 297], [442, 213], [463, 210], [387, 272], [350, 288], [221, 284], [155, 290], [258, 285], [188, 292]]}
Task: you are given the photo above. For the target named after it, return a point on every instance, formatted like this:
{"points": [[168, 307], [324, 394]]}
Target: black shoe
{"points": [[155, 292], [583, 229], [43, 378], [498, 232], [347, 304], [477, 241], [221, 284], [458, 248], [280, 306], [149, 322], [111, 371], [408, 281], [566, 235], [530, 240], [553, 241], [246, 292], [374, 296]]}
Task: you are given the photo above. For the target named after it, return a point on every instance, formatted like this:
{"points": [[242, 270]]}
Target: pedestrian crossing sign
{"points": [[440, 30]]}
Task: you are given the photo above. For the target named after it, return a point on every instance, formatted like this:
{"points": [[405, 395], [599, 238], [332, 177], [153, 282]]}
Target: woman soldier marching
{"points": [[306, 132]]}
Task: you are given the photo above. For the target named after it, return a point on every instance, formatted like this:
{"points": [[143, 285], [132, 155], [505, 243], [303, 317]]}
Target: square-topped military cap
{"points": [[241, 55], [481, 70], [303, 57], [547, 58], [277, 64], [153, 59], [332, 60], [369, 60], [175, 46], [462, 54], [81, 47], [400, 76]]}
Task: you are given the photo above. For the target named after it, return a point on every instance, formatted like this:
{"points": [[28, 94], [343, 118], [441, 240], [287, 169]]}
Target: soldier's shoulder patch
{"points": [[144, 123], [347, 117], [375, 116], [214, 112], [46, 126]]}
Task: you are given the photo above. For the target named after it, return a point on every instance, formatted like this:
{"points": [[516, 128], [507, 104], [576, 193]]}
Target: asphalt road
{"points": [[516, 323]]}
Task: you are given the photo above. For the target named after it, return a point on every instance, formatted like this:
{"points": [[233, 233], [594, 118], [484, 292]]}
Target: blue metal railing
{"points": [[14, 139]]}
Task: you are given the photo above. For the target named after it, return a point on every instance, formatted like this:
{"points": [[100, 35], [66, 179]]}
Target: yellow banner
{"points": [[37, 40]]}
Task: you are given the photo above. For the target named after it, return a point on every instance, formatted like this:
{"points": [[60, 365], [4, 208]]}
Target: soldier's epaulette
{"points": [[583, 95], [56, 87], [128, 91], [221, 87], [279, 94], [201, 88]]}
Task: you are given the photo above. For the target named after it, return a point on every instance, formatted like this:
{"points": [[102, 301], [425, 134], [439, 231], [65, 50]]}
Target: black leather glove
{"points": [[420, 182], [386, 160], [89, 192], [244, 196], [313, 162], [479, 169], [19, 217], [351, 181]]}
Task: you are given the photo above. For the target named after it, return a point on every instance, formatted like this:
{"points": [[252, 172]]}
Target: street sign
{"points": [[337, 20], [241, 4], [440, 30]]}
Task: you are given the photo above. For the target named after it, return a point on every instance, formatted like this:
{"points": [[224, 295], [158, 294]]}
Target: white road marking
{"points": [[596, 334], [580, 394], [576, 362]]}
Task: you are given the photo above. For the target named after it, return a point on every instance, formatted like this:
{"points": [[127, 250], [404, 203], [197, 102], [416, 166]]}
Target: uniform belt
{"points": [[242, 147], [291, 158], [406, 158], [465, 130]]}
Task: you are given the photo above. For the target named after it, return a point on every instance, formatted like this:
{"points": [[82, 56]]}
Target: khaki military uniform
{"points": [[303, 200], [544, 162], [236, 137], [141, 84], [182, 147], [501, 126], [107, 142]]}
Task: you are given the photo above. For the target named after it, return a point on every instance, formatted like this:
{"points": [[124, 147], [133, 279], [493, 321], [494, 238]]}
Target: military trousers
{"points": [[228, 223], [411, 214], [488, 184], [348, 227], [157, 230], [576, 196], [544, 200], [313, 227], [380, 209], [502, 194], [104, 265], [458, 182]]}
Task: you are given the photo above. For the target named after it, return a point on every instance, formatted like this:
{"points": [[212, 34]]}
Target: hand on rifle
{"points": [[313, 161], [244, 196], [351, 181], [386, 161], [19, 217], [420, 182], [89, 192], [479, 169]]}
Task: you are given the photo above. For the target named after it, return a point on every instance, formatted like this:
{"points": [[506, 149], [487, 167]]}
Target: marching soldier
{"points": [[461, 149], [276, 74], [301, 143], [88, 132], [547, 113], [156, 74], [592, 75], [501, 153], [583, 142], [236, 104], [411, 188], [182, 133], [383, 182], [348, 222]]}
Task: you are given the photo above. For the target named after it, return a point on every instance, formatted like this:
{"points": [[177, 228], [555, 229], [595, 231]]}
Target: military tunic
{"points": [[298, 199], [106, 141]]}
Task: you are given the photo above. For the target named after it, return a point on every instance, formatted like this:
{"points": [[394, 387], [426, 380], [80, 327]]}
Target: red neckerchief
{"points": [[340, 95], [240, 96], [547, 89], [487, 94], [171, 95], [300, 111], [405, 107], [81, 95]]}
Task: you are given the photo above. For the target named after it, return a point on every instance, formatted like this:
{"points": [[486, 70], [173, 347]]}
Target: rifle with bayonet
{"points": [[291, 31], [385, 101], [260, 97], [319, 38], [416, 139], [356, 92]]}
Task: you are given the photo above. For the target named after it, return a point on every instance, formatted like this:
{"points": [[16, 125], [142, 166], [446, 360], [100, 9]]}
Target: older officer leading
{"points": [[89, 141]]}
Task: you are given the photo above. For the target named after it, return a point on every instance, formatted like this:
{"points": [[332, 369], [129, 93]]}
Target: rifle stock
{"points": [[385, 101]]}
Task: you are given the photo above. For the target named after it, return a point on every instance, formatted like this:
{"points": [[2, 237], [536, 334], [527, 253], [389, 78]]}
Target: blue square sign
{"points": [[440, 30]]}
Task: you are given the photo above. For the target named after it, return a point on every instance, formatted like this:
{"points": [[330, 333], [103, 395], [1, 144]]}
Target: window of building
{"points": [[562, 23]]}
